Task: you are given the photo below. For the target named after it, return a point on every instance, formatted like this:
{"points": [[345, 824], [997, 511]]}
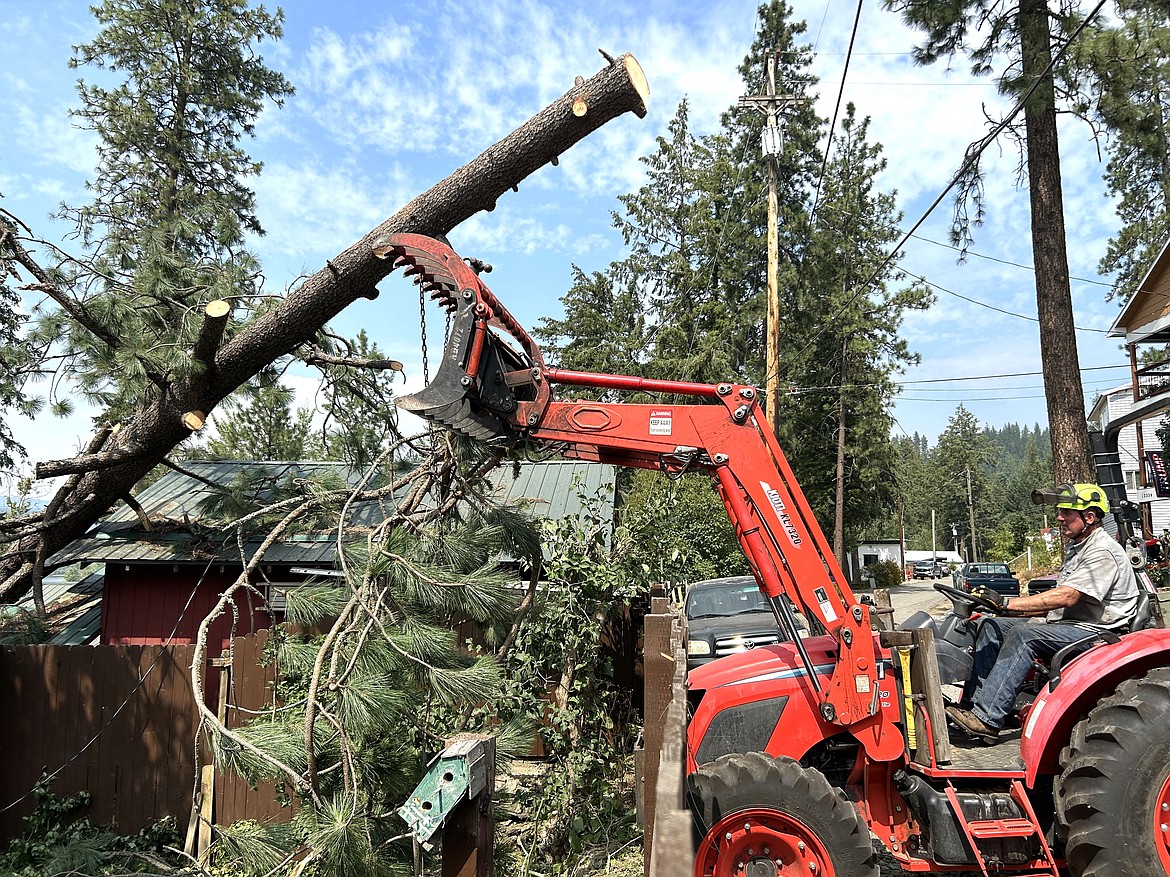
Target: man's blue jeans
{"points": [[1004, 652]]}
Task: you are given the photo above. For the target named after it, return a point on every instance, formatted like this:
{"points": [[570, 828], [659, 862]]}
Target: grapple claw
{"points": [[475, 391]]}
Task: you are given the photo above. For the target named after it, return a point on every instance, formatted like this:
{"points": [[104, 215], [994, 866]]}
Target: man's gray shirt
{"points": [[1099, 568]]}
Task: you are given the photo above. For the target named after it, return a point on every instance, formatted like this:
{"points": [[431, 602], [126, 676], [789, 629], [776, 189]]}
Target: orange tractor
{"points": [[801, 753]]}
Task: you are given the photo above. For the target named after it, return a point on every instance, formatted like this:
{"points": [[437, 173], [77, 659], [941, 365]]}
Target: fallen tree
{"points": [[119, 455]]}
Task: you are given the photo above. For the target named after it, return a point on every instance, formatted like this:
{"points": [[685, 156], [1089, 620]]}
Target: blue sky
{"points": [[391, 97]]}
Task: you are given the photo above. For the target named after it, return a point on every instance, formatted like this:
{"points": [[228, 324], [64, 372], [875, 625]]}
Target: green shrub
{"points": [[56, 841], [886, 574]]}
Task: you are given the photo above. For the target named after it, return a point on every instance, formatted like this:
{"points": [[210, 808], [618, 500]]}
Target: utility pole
{"points": [[955, 538], [933, 543], [971, 515], [772, 144]]}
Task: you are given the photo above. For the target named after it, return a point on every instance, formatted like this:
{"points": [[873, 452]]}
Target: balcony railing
{"points": [[1153, 379]]}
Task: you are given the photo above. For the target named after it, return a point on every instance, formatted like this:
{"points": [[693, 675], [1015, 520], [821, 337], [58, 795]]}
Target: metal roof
{"points": [[175, 501], [73, 610]]}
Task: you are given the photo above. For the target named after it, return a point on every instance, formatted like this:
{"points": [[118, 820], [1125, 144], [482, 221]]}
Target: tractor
{"points": [[801, 753]]}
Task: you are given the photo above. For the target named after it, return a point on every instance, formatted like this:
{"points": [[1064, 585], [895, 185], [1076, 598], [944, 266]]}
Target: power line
{"points": [[794, 390], [836, 109], [969, 160], [972, 399], [1089, 368], [1031, 268], [990, 307]]}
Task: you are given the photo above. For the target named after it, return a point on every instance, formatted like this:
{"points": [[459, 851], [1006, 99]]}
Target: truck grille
{"points": [[733, 644]]}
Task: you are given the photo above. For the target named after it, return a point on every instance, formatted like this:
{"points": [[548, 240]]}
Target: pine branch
{"points": [[318, 357], [45, 285]]}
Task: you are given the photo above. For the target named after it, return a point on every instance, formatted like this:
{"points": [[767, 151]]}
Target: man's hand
{"points": [[997, 603]]}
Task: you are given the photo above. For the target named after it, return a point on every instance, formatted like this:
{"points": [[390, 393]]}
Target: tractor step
{"points": [[1001, 828], [989, 831]]}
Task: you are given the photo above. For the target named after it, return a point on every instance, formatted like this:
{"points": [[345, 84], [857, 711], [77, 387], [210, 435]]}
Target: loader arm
{"points": [[493, 385]]}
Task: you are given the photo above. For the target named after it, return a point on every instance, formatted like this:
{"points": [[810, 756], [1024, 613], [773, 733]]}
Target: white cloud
{"points": [[57, 140], [506, 232], [312, 213]]}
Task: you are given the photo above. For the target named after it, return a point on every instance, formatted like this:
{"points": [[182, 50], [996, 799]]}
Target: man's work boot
{"points": [[972, 724]]}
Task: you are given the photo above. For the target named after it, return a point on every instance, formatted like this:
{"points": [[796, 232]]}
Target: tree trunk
{"points": [[1072, 457], [157, 426]]}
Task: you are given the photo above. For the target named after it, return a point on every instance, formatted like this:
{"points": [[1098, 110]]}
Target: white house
{"points": [[877, 550], [1109, 406]]}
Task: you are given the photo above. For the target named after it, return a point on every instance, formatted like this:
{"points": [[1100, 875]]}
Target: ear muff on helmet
{"points": [[1078, 497]]}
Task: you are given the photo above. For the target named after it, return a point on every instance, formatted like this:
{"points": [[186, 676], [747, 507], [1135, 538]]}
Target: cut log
{"points": [[159, 423]]}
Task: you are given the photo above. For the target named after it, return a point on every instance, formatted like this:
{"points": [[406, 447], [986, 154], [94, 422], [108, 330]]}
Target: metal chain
{"points": [[422, 320]]}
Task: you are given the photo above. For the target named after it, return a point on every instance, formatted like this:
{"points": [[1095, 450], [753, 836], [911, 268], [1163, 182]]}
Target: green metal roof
{"points": [[174, 503]]}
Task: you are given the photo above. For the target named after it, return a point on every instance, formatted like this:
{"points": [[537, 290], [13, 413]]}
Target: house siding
{"points": [[154, 604], [1119, 402]]}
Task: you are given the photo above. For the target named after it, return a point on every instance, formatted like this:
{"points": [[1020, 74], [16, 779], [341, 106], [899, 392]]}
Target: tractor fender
{"points": [[1084, 681]]}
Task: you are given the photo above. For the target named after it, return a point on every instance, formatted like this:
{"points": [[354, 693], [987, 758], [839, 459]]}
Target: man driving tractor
{"points": [[1095, 590]]}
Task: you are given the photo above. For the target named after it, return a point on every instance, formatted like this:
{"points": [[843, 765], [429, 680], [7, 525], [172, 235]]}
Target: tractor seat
{"points": [[1142, 618]]}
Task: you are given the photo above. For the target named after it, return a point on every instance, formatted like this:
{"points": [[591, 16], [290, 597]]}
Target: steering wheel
{"points": [[959, 596]]}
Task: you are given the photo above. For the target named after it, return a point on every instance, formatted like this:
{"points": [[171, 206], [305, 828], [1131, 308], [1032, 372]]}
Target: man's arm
{"points": [[1040, 604]]}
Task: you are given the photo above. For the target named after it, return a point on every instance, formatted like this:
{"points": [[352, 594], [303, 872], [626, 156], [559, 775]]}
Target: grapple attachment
{"points": [[489, 385]]}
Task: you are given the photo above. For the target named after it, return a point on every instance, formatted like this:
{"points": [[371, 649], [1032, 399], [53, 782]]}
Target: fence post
{"points": [[469, 836], [659, 669], [669, 840]]}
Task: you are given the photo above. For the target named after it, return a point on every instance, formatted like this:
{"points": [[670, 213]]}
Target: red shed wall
{"points": [[158, 603]]}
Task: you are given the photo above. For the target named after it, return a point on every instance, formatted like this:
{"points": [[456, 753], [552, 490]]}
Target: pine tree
{"points": [[170, 204], [360, 419], [19, 357], [671, 229], [846, 348], [604, 327], [262, 426], [1130, 68], [961, 459], [1022, 31]]}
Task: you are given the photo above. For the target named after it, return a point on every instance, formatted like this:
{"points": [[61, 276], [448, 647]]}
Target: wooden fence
{"points": [[248, 692], [668, 846], [118, 721]]}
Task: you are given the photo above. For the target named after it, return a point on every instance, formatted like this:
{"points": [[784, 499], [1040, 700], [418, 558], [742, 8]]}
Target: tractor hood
{"points": [[764, 662]]}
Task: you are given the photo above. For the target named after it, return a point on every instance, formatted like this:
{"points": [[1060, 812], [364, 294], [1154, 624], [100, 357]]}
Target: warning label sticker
{"points": [[660, 422]]}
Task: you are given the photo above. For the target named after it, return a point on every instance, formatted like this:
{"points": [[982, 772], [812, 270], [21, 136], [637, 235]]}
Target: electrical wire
{"points": [[1088, 368], [836, 109], [977, 255], [990, 307], [968, 162]]}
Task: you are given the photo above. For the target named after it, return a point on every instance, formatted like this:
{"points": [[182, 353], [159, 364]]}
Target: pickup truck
{"points": [[997, 576]]}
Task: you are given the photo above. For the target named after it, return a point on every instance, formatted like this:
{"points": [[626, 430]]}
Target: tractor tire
{"points": [[1113, 794], [759, 816]]}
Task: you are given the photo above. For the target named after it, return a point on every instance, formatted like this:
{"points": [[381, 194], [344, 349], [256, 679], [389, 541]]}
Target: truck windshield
{"points": [[726, 601]]}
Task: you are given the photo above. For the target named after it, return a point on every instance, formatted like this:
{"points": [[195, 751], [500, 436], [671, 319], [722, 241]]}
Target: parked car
{"points": [[997, 576], [725, 616], [931, 568]]}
